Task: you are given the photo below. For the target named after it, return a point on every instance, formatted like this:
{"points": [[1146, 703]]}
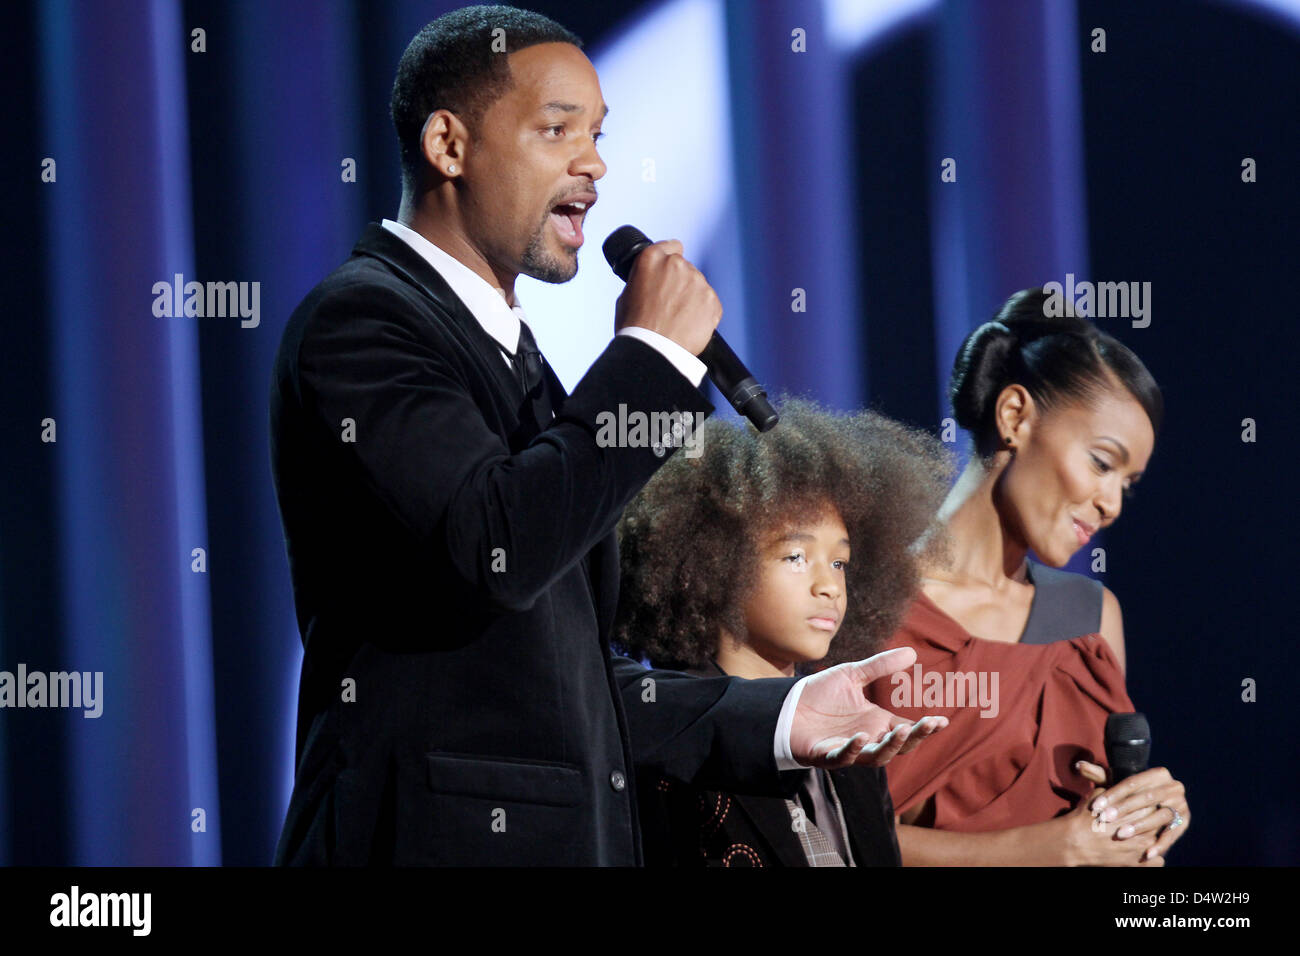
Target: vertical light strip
{"points": [[128, 455], [1009, 115], [167, 36]]}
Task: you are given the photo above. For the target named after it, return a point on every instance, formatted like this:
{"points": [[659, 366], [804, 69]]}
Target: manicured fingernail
{"points": [[1152, 853], [1100, 804], [1125, 831], [1109, 814]]}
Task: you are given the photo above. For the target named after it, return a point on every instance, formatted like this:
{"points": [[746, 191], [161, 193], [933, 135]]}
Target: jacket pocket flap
{"points": [[524, 781]]}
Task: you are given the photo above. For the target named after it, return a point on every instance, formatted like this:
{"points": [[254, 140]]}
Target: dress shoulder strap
{"points": [[1065, 605]]}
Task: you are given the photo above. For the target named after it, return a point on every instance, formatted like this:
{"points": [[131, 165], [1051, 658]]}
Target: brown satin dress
{"points": [[1015, 768]]}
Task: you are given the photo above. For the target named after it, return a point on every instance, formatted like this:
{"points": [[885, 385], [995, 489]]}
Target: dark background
{"points": [[224, 165]]}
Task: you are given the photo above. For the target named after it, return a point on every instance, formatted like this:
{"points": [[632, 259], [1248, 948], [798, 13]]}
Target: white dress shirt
{"points": [[500, 320]]}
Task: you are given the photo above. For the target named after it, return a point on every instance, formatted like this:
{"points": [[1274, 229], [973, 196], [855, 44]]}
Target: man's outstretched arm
{"points": [[726, 732]]}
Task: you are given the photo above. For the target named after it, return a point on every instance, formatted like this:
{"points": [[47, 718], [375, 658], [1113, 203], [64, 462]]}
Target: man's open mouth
{"points": [[567, 218]]}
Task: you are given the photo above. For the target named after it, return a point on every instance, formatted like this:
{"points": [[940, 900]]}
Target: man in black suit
{"points": [[448, 510]]}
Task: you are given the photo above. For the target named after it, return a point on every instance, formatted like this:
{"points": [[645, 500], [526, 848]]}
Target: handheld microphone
{"points": [[726, 370], [1128, 744]]}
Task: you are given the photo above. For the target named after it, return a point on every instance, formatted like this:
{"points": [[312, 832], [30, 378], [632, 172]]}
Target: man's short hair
{"points": [[458, 63]]}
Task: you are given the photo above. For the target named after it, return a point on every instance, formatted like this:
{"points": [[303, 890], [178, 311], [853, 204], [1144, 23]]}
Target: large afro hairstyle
{"points": [[689, 542]]}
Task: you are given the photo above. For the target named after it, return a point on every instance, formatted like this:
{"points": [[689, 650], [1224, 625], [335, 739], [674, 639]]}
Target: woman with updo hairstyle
{"points": [[1027, 661]]}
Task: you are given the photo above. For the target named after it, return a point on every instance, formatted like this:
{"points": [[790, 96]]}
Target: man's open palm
{"points": [[835, 725]]}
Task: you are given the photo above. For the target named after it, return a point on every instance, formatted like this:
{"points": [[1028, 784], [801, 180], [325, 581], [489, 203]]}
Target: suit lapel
{"points": [[772, 820], [601, 563], [381, 244], [865, 816]]}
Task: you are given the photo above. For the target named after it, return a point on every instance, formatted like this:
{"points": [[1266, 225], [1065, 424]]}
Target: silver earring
{"points": [[452, 169]]}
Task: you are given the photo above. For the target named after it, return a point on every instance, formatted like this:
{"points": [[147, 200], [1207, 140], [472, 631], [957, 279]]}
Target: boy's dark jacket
{"points": [[685, 826]]}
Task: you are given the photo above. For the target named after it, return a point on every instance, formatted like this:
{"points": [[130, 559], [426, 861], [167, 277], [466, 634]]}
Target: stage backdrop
{"points": [[862, 180]]}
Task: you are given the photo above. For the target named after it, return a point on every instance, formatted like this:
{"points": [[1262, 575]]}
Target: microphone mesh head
{"points": [[1128, 744], [621, 248], [1128, 729]]}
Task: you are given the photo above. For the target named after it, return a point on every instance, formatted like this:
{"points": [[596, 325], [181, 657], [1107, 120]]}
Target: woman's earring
{"points": [[1010, 447], [452, 170]]}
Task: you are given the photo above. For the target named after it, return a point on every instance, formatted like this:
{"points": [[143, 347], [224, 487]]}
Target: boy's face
{"points": [[800, 598]]}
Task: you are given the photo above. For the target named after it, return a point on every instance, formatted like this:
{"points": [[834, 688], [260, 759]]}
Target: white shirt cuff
{"points": [[682, 360], [784, 724]]}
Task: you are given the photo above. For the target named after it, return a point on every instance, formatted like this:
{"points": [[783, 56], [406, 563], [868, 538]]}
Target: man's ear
{"points": [[444, 142]]}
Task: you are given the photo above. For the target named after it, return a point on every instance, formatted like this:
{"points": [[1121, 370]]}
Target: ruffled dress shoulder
{"points": [[1020, 715]]}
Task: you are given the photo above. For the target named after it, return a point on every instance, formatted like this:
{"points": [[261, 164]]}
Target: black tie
{"points": [[527, 363]]}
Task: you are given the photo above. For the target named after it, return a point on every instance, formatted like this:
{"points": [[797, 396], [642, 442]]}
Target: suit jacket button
{"points": [[617, 781]]}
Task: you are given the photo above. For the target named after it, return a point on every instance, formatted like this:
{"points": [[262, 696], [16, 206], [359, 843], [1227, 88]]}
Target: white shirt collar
{"points": [[499, 319]]}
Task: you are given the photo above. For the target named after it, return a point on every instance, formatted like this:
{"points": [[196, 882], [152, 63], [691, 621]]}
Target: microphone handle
{"points": [[726, 370], [739, 387]]}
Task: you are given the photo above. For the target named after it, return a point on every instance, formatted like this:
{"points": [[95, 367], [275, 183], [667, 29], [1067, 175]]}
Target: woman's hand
{"points": [[1148, 803], [1089, 840]]}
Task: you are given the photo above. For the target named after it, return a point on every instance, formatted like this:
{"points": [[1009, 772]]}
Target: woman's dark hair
{"points": [[1057, 359], [458, 63], [689, 542]]}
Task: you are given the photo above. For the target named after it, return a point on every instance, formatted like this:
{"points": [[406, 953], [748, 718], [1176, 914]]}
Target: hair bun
{"points": [[985, 362], [1055, 358]]}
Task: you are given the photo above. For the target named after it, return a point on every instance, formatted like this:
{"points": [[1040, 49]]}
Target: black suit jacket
{"points": [[455, 577], [689, 827]]}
